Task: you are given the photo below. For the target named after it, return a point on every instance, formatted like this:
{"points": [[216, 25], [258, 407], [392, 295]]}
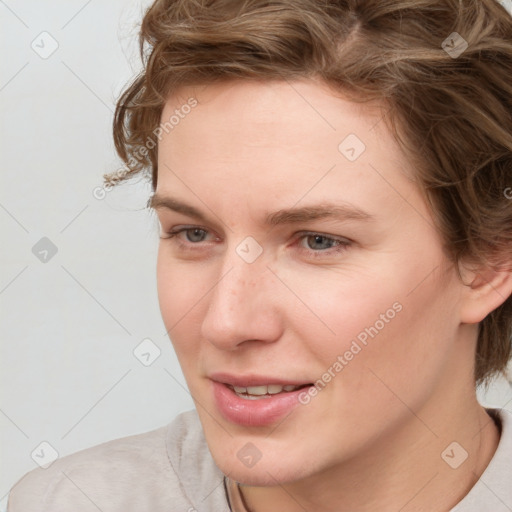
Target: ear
{"points": [[486, 289]]}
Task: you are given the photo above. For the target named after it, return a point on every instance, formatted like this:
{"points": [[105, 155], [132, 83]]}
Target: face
{"points": [[305, 256]]}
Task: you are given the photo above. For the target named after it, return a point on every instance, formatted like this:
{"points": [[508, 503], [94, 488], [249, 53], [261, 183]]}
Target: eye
{"points": [[320, 244], [193, 234], [314, 244]]}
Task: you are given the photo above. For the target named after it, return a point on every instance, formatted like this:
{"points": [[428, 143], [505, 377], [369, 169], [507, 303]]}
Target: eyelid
{"points": [[338, 238], [300, 234], [342, 242], [177, 230]]}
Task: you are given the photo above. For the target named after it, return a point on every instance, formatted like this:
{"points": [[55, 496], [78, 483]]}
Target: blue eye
{"points": [[198, 234], [320, 241], [318, 244], [315, 244]]}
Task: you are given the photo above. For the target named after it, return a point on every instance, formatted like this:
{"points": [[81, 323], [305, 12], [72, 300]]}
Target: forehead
{"points": [[304, 121], [286, 141], [302, 107]]}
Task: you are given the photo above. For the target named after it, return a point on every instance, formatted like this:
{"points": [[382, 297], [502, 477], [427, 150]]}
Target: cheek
{"points": [[380, 319], [339, 307], [180, 290], [401, 361]]}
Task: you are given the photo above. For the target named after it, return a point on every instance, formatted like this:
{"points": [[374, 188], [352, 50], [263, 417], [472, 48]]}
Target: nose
{"points": [[243, 306]]}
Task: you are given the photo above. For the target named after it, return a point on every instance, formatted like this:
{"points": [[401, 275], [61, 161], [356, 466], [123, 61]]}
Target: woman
{"points": [[332, 181]]}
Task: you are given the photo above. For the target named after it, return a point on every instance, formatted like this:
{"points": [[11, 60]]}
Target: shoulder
{"points": [[149, 471]]}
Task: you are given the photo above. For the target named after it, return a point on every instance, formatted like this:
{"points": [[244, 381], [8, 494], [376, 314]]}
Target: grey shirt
{"points": [[171, 469]]}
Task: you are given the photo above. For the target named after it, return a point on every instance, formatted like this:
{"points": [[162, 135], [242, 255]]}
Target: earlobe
{"points": [[485, 290]]}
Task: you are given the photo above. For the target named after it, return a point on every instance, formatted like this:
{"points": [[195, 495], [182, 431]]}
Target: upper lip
{"points": [[254, 380]]}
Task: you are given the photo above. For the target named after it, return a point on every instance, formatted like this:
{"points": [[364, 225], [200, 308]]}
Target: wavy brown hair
{"points": [[452, 115]]}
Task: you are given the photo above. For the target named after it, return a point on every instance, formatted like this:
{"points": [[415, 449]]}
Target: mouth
{"points": [[264, 391], [255, 400]]}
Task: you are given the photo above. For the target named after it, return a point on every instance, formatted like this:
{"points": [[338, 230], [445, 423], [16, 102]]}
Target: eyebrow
{"points": [[323, 210]]}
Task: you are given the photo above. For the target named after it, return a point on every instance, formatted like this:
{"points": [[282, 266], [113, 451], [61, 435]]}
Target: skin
{"points": [[372, 438]]}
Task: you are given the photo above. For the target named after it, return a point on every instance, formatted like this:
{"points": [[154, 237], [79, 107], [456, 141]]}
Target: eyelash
{"points": [[342, 246]]}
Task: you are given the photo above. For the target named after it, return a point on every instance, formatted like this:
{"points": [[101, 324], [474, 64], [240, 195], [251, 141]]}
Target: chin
{"points": [[277, 461], [266, 472]]}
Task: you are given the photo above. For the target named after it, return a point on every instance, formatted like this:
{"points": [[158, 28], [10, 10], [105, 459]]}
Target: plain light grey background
{"points": [[70, 323]]}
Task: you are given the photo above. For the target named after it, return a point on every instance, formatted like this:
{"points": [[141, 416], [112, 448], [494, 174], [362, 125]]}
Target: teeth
{"points": [[257, 390], [271, 389]]}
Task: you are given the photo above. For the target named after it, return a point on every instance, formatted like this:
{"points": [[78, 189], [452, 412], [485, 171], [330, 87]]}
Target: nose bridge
{"points": [[240, 304], [240, 288], [244, 271]]}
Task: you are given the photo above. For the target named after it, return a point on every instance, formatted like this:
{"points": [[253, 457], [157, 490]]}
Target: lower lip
{"points": [[254, 413]]}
